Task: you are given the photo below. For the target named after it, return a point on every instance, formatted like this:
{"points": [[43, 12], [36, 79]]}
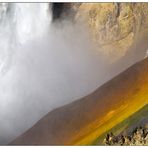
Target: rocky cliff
{"points": [[116, 27]]}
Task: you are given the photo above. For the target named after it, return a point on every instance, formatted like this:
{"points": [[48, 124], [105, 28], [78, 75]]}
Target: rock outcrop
{"points": [[139, 137], [115, 26]]}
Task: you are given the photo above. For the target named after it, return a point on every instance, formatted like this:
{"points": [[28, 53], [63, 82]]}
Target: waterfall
{"points": [[19, 23], [32, 20]]}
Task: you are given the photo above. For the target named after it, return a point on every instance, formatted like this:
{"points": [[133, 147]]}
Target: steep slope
{"points": [[80, 122]]}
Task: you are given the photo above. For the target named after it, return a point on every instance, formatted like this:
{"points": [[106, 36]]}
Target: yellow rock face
{"points": [[115, 26]]}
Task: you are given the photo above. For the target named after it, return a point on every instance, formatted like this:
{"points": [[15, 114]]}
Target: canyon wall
{"points": [[114, 26]]}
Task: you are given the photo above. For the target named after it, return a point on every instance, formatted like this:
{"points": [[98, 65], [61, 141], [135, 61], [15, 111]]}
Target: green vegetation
{"points": [[130, 122]]}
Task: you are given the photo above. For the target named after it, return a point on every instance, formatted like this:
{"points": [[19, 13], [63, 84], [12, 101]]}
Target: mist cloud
{"points": [[46, 73]]}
